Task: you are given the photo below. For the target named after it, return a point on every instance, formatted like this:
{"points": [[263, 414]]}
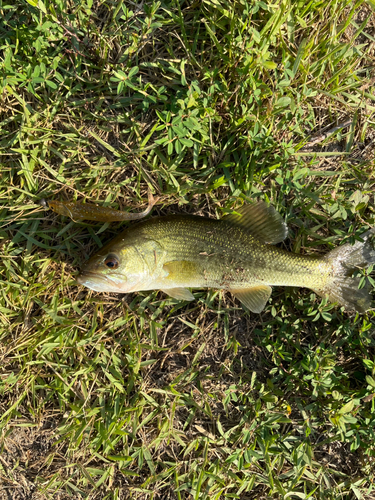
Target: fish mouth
{"points": [[97, 282]]}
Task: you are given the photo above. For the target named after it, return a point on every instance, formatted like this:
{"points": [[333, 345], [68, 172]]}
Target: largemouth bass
{"points": [[236, 253]]}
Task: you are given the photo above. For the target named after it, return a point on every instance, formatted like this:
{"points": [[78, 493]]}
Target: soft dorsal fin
{"points": [[254, 298], [261, 220], [179, 293]]}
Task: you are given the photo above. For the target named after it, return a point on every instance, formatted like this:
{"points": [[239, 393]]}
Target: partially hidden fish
{"points": [[81, 211], [236, 253]]}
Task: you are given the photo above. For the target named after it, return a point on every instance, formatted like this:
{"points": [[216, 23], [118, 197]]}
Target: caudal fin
{"points": [[345, 260]]}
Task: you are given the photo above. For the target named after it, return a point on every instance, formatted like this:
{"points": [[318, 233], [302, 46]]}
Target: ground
{"points": [[209, 105]]}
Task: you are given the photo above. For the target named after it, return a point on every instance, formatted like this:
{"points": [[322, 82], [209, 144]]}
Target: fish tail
{"points": [[345, 260]]}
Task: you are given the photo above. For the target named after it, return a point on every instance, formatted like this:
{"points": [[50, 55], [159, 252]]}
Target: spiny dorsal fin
{"points": [[254, 298], [261, 220], [179, 293]]}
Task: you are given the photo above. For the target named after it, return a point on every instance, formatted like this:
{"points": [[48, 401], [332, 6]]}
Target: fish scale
{"points": [[221, 250]]}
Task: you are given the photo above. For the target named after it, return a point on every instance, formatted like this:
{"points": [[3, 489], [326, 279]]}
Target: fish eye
{"points": [[111, 262]]}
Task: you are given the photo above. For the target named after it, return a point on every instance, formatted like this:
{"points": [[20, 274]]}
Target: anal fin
{"points": [[254, 298], [179, 293]]}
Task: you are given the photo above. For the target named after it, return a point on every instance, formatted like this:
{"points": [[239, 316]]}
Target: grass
{"points": [[208, 104]]}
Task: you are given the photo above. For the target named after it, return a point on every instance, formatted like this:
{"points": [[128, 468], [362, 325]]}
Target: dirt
{"points": [[24, 453]]}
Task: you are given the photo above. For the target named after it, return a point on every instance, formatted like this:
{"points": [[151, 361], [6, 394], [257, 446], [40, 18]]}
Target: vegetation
{"points": [[208, 104]]}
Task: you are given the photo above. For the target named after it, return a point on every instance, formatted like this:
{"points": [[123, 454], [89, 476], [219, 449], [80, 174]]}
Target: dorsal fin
{"points": [[261, 220]]}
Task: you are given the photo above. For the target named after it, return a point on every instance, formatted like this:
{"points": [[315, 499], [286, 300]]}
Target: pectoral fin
{"points": [[254, 298], [180, 270], [179, 293]]}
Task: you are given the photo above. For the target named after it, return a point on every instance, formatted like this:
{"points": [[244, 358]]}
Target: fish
{"points": [[87, 211], [176, 253]]}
